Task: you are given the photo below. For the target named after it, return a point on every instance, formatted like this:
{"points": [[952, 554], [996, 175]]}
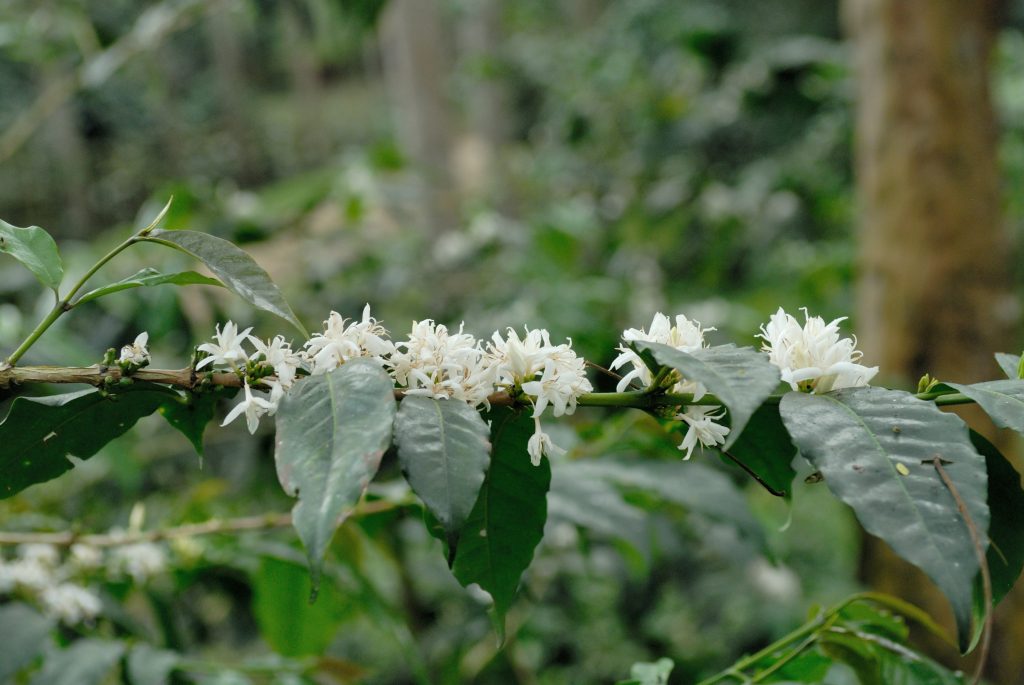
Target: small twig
{"points": [[986, 578], [607, 372], [752, 474], [211, 527]]}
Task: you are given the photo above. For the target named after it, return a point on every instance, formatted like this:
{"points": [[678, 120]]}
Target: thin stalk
{"points": [[65, 304], [793, 653], [823, 621], [748, 661]]}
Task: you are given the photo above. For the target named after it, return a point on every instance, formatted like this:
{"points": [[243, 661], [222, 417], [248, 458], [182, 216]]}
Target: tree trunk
{"points": [[934, 290], [477, 164], [415, 69]]}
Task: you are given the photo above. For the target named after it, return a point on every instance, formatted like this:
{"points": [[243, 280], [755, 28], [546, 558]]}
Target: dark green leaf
{"points": [[875, 448], [1006, 504], [766, 449], [151, 666], [1009, 363], [86, 662], [507, 522], [584, 497], [698, 488], [25, 633], [288, 622], [741, 377], [40, 433], [1003, 401], [444, 452], [191, 413], [149, 277], [332, 431], [34, 248], [236, 270], [1005, 555]]}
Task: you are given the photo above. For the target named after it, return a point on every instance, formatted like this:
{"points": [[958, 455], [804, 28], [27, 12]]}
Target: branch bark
{"points": [[213, 526]]}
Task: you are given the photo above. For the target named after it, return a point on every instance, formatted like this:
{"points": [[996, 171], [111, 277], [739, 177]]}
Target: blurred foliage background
{"points": [[575, 165]]}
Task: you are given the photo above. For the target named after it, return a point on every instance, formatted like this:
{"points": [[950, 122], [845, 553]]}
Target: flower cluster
{"points": [[812, 357], [436, 363], [703, 422], [342, 341], [38, 573], [228, 352], [432, 361], [517, 363], [443, 364]]}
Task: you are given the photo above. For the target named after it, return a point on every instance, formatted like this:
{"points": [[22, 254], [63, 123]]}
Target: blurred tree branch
{"points": [[210, 527], [152, 26]]}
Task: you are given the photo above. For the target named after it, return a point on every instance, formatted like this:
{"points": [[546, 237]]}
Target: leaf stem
{"points": [[65, 304]]}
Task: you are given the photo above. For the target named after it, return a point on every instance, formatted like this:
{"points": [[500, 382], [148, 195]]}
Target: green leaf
{"points": [[444, 452], [288, 622], [40, 433], [766, 449], [86, 662], [1003, 401], [585, 497], [1005, 554], [148, 665], [741, 377], [36, 249], [236, 270], [507, 522], [875, 449], [1009, 363], [1006, 503], [149, 277], [656, 673], [896, 669], [25, 633], [332, 431], [692, 485], [191, 412]]}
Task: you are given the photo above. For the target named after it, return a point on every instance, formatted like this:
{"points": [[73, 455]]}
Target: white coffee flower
{"points": [[227, 349], [253, 408], [70, 603], [701, 427], [540, 443], [141, 560], [342, 341], [278, 353], [517, 360], [443, 365], [136, 353], [26, 574], [44, 554], [686, 336], [812, 357], [562, 379], [85, 557]]}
